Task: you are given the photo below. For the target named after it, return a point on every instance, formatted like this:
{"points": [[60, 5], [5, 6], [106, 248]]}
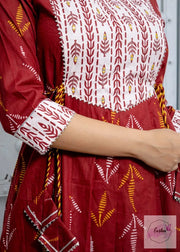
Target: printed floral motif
{"points": [[109, 171], [75, 51], [33, 71], [102, 206], [127, 20], [68, 2], [114, 119], [44, 125], [19, 27], [9, 231], [170, 185], [107, 83], [130, 176], [105, 47], [133, 123], [150, 17], [132, 226], [72, 19], [73, 82], [103, 78], [91, 244], [156, 44], [75, 205], [132, 49], [176, 121], [15, 120], [100, 17]]}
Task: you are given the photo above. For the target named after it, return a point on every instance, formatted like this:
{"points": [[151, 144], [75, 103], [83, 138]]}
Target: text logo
{"points": [[159, 231]]}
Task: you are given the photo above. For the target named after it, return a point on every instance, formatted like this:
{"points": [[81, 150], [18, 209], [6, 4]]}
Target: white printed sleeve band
{"points": [[176, 121], [44, 125]]}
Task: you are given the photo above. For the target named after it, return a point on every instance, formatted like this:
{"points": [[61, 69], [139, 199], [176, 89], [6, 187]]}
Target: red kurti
{"points": [[108, 55]]}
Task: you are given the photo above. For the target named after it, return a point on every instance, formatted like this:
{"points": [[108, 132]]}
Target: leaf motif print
{"points": [[132, 49], [25, 28], [15, 120], [100, 17], [131, 185], [73, 82], [133, 122], [93, 217], [23, 170], [114, 119], [114, 170], [73, 20], [50, 131], [132, 226], [102, 206], [100, 170], [170, 184], [75, 51], [91, 244], [126, 229], [124, 179], [101, 209], [19, 28], [105, 174], [108, 216], [75, 204], [14, 28], [138, 174], [156, 44], [9, 232], [128, 21], [134, 239], [30, 68], [19, 15], [103, 77], [105, 46]]}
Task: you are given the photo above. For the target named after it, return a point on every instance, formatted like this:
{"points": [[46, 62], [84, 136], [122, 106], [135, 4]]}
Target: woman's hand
{"points": [[160, 148]]}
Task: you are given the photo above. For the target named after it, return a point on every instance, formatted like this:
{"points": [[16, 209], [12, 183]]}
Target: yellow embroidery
{"points": [[161, 120], [131, 186], [2, 105], [102, 205], [23, 170], [113, 118], [18, 28], [54, 239], [68, 3]]}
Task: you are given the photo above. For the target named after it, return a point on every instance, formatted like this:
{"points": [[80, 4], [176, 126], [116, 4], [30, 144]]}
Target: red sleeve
{"points": [[155, 6], [24, 109]]}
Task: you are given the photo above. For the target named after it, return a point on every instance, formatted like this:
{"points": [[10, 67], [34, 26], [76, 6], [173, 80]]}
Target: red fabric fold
{"points": [[177, 186], [53, 234]]}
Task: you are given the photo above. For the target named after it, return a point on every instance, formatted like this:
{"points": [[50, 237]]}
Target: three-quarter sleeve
{"points": [[25, 111]]}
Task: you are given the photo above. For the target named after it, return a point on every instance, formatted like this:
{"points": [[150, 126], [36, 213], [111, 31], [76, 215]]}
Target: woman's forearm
{"points": [[92, 136], [158, 148]]}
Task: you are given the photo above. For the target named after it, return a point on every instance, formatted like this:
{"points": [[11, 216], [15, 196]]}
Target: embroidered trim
{"points": [[94, 37], [176, 121], [68, 242], [177, 196], [44, 125]]}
